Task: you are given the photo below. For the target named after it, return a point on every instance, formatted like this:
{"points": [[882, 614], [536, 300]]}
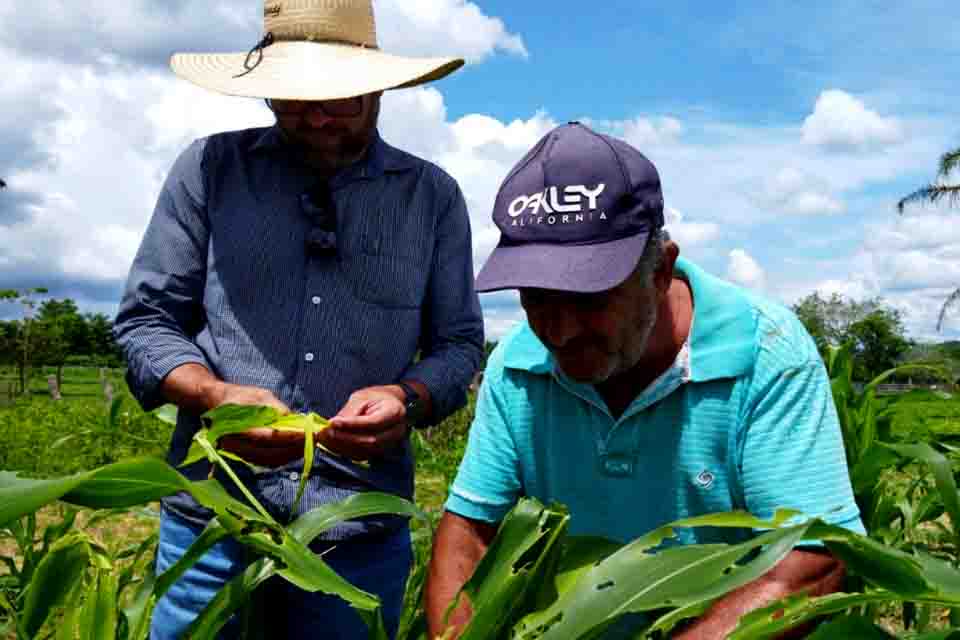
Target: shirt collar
{"points": [[722, 343], [380, 157]]}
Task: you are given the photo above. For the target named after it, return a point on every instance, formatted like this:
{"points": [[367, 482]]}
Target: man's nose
{"points": [[316, 117], [562, 326]]}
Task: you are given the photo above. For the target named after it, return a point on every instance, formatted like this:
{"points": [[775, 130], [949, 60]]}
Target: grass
{"points": [[922, 414]]}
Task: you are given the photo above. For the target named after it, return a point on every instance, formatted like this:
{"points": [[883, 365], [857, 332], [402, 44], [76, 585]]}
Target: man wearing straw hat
{"points": [[312, 267]]}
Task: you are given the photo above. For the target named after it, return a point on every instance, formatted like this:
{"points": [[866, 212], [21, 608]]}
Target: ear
{"points": [[664, 275]]}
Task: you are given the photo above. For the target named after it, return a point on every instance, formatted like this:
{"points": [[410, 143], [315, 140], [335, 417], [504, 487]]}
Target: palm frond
{"points": [[931, 194], [949, 162], [952, 300]]}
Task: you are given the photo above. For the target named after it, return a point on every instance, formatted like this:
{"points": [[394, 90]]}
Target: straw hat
{"points": [[312, 50]]}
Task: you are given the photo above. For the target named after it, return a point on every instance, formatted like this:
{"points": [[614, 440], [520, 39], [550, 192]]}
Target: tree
{"points": [[103, 348], [829, 320], [879, 342], [876, 330], [64, 314], [931, 194], [24, 345]]}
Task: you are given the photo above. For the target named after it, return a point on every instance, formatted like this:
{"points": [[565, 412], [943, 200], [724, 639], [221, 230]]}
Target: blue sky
{"points": [[784, 132]]}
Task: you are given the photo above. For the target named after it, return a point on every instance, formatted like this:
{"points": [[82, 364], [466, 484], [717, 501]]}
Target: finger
{"points": [[369, 439], [356, 406], [368, 422]]}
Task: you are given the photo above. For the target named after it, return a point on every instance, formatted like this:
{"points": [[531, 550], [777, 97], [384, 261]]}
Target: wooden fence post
{"points": [[54, 388]]}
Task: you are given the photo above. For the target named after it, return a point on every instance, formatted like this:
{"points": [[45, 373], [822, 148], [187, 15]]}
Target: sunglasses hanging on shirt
{"points": [[318, 206]]}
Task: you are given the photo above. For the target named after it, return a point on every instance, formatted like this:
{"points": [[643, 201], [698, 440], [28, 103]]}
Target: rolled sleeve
{"points": [[162, 307], [488, 481], [452, 336], [792, 452]]}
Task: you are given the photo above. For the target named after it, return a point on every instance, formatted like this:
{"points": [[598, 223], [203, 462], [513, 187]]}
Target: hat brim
{"points": [[310, 71], [581, 269]]}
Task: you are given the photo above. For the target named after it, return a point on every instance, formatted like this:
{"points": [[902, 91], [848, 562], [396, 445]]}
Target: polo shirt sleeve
{"points": [[791, 447], [488, 481]]}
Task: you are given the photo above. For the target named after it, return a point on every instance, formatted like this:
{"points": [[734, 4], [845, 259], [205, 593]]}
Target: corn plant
{"points": [[89, 580], [537, 582]]}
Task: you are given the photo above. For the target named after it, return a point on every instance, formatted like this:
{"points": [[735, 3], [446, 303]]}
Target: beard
{"points": [[337, 145]]}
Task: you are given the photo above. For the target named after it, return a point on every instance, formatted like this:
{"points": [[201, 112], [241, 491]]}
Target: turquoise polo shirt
{"points": [[743, 420]]}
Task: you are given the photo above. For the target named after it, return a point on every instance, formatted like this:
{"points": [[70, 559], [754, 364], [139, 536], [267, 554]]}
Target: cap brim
{"points": [[582, 269], [309, 71]]}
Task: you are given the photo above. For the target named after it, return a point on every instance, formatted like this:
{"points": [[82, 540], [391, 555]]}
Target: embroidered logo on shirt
{"points": [[705, 479]]}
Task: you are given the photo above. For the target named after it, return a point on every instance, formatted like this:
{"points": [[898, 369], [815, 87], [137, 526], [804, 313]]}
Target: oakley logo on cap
{"points": [[549, 200]]}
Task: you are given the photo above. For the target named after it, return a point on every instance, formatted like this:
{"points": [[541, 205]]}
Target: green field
{"points": [[924, 414], [44, 438]]}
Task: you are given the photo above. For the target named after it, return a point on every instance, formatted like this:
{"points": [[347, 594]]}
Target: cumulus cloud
{"points": [[444, 27], [688, 233], [95, 120], [149, 31], [842, 121], [744, 270], [794, 192]]}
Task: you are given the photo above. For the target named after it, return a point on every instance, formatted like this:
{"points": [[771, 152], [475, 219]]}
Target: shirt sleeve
{"points": [[488, 481], [452, 336], [792, 453], [162, 306]]}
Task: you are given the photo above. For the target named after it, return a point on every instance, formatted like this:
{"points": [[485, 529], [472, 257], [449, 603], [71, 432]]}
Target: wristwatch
{"points": [[416, 411]]}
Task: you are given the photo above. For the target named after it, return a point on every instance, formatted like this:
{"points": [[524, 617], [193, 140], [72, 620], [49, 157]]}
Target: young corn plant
{"points": [[89, 582], [537, 582]]}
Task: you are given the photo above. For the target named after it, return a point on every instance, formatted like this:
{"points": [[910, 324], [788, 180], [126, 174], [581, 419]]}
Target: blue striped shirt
{"points": [[223, 279], [744, 420]]}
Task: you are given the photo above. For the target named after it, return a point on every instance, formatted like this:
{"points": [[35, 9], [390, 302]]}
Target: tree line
{"points": [[54, 333], [877, 334]]}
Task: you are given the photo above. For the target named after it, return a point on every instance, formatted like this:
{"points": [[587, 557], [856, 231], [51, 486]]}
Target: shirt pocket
{"points": [[390, 281]]}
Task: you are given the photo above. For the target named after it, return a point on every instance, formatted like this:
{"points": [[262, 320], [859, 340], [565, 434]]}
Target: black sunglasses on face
{"points": [[343, 108], [318, 206]]}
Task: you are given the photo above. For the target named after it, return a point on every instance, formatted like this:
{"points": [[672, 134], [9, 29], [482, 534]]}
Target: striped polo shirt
{"points": [[743, 420]]}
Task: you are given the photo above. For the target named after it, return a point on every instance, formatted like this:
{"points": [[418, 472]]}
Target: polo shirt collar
{"points": [[722, 343]]}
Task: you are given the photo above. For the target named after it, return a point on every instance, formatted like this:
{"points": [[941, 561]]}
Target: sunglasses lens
{"points": [[345, 108]]}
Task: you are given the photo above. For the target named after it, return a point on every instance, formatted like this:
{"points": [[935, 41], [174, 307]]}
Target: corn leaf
{"points": [[53, 580]]}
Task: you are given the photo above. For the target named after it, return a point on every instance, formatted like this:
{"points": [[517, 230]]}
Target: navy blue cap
{"points": [[574, 214]]}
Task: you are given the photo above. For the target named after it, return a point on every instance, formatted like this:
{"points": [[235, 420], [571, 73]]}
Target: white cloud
{"points": [[148, 31], [444, 27], [644, 132], [843, 121], [689, 234], [744, 270], [794, 192]]}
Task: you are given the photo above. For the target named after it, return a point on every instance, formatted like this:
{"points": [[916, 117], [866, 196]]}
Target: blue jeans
{"points": [[377, 566]]}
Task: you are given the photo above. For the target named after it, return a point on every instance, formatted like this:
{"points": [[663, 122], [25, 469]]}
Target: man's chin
{"points": [[583, 373]]}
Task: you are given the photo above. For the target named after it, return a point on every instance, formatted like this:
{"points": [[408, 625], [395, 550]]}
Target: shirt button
{"points": [[316, 300], [309, 357], [294, 476]]}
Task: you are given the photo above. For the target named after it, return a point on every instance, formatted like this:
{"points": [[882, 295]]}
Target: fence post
{"points": [[54, 388], [108, 391]]}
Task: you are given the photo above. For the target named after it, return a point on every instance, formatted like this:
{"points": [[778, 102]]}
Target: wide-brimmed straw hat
{"points": [[312, 50]]}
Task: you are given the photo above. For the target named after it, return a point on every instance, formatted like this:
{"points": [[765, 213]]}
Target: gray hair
{"points": [[652, 258]]}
